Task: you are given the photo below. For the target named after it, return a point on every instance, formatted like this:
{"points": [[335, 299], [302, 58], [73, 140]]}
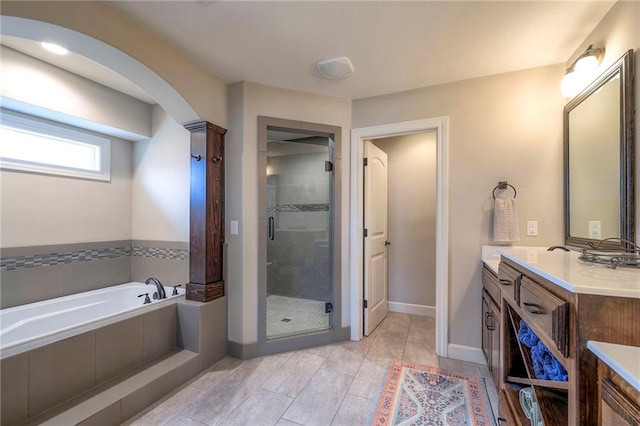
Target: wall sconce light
{"points": [[581, 72]]}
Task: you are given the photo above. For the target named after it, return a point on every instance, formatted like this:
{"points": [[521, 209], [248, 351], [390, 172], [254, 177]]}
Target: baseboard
{"points": [[242, 350], [466, 353], [410, 308]]}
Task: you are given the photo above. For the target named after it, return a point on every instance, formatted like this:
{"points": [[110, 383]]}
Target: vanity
{"points": [[567, 303]]}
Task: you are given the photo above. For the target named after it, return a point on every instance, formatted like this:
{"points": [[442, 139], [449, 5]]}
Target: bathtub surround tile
{"points": [[119, 348], [24, 286], [159, 332], [14, 389], [95, 274], [61, 370], [58, 258], [167, 408], [320, 399], [261, 408], [178, 368], [169, 271], [109, 416], [201, 329]]}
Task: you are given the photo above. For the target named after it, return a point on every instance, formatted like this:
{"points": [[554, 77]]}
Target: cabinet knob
{"points": [[533, 308], [506, 282]]}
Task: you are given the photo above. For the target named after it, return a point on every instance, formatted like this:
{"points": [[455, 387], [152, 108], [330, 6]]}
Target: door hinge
{"points": [[365, 233], [328, 166], [365, 161], [365, 304], [328, 307]]}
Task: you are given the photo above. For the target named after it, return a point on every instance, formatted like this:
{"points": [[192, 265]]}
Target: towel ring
{"points": [[503, 185]]}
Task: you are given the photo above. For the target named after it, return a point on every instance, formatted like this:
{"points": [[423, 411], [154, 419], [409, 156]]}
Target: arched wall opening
{"points": [[140, 74]]}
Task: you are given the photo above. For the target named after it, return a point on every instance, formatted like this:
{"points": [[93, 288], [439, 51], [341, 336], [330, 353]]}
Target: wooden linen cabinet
{"points": [[206, 234]]}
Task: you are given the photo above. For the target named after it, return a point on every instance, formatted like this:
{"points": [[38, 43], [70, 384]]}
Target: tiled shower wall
{"points": [[298, 258], [32, 274]]}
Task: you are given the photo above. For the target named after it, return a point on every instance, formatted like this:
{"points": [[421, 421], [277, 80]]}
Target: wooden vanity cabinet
{"points": [[619, 401], [491, 322], [564, 322]]}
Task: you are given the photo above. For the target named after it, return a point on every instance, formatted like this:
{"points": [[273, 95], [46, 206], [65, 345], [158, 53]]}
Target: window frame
{"points": [[18, 121]]}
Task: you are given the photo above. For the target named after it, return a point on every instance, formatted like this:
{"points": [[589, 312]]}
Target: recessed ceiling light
{"points": [[54, 48]]}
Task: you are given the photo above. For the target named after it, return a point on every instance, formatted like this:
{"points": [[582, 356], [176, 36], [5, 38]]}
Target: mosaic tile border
{"points": [[161, 253], [49, 259], [68, 257], [291, 208]]}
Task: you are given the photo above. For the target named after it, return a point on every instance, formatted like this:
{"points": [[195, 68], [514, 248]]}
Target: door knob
{"points": [[387, 243]]}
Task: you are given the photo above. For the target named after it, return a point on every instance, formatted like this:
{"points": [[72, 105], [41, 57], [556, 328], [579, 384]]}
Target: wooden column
{"points": [[207, 212]]}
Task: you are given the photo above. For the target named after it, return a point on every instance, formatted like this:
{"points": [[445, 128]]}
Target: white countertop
{"points": [[567, 271], [624, 360]]}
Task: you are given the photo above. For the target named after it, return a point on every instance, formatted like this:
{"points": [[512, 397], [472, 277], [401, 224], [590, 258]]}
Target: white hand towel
{"points": [[505, 221]]}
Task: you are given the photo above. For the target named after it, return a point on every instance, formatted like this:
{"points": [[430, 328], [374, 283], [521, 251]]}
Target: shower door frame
{"points": [[335, 332]]}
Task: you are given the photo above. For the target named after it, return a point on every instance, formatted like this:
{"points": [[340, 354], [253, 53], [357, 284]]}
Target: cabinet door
{"points": [[616, 408], [486, 333], [494, 328]]}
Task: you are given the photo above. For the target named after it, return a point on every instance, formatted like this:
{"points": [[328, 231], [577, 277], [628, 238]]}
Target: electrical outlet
{"points": [[532, 228], [595, 229]]}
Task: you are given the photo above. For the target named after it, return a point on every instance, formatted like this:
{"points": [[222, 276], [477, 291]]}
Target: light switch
{"points": [[233, 225]]}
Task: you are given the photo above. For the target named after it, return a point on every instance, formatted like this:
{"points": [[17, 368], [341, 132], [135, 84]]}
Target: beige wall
{"points": [[161, 179], [246, 102], [412, 217], [40, 209], [618, 32], [35, 87], [502, 127]]}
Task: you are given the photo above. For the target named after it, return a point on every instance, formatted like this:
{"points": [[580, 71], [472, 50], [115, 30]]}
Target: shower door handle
{"points": [[272, 228]]}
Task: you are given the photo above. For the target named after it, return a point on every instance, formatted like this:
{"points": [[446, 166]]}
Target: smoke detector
{"points": [[336, 68]]}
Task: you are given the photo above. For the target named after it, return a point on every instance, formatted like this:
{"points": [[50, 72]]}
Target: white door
{"points": [[375, 243]]}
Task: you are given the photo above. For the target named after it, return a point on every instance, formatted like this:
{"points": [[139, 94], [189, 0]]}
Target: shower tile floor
{"points": [[287, 316], [335, 384]]}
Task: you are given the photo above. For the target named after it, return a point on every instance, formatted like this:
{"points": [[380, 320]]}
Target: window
{"points": [[34, 145]]}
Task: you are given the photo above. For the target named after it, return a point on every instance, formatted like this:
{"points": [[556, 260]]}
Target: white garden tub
{"points": [[27, 327]]}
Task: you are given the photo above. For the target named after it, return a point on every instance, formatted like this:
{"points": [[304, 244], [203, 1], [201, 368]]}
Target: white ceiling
{"points": [[394, 45]]}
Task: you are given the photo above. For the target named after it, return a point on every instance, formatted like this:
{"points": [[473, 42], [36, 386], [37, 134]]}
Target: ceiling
{"points": [[394, 45]]}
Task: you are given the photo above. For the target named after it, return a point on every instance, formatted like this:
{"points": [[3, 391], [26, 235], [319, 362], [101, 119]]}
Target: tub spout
{"points": [[159, 287]]}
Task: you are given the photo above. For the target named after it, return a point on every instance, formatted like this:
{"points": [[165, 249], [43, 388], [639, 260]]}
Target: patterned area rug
{"points": [[419, 395]]}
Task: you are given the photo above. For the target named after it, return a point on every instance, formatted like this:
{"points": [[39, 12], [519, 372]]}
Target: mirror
{"points": [[598, 155]]}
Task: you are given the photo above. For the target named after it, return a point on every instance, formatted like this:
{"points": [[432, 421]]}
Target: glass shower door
{"points": [[299, 270]]}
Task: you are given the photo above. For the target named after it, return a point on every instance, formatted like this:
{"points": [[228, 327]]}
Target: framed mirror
{"points": [[598, 159]]}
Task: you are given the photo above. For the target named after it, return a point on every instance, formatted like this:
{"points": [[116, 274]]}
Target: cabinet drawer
{"points": [[547, 311], [490, 284], [509, 280]]}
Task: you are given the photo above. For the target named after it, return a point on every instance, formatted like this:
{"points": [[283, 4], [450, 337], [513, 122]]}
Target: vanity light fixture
{"points": [[54, 48], [581, 72]]}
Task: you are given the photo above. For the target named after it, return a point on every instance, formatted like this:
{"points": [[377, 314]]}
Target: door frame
{"points": [[317, 338], [441, 126]]}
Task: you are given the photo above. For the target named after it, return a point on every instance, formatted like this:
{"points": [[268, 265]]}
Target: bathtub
{"points": [[26, 327]]}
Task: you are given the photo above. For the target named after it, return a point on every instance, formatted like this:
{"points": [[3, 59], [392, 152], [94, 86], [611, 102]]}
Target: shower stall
{"points": [[297, 237]]}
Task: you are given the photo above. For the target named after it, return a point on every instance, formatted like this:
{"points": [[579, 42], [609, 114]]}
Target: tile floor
{"points": [[335, 384]]}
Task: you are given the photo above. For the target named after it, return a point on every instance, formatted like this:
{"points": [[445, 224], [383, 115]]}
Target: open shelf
{"points": [[551, 395]]}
